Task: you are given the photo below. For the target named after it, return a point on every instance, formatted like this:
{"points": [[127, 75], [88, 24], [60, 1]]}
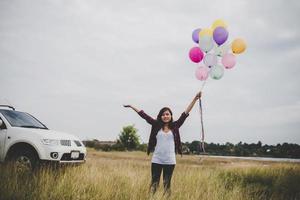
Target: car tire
{"points": [[25, 161]]}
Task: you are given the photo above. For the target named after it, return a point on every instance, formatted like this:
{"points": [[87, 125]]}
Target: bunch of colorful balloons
{"points": [[214, 50]]}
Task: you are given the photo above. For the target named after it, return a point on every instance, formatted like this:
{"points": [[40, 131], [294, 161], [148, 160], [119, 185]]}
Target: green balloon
{"points": [[217, 72]]}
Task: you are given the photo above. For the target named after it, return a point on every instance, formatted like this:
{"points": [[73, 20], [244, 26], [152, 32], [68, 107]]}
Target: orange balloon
{"points": [[238, 46]]}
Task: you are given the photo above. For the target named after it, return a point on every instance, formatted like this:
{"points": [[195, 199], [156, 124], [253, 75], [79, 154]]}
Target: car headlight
{"points": [[51, 142]]}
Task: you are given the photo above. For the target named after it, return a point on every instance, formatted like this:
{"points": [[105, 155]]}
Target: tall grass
{"points": [[126, 175]]}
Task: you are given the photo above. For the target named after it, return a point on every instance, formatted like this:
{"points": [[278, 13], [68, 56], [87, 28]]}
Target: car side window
{"points": [[3, 126]]}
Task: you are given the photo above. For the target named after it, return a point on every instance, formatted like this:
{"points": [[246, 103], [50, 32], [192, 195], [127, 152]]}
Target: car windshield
{"points": [[21, 119]]}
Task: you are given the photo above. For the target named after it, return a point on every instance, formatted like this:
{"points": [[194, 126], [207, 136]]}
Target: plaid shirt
{"points": [[156, 126]]}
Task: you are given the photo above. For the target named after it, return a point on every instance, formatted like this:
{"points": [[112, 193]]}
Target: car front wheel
{"points": [[25, 161]]}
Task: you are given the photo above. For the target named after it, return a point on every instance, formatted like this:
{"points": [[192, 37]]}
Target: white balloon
{"points": [[206, 43], [221, 50], [210, 60]]}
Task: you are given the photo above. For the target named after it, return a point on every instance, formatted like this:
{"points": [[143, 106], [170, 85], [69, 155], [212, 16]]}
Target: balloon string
{"points": [[203, 84], [201, 118], [202, 127]]}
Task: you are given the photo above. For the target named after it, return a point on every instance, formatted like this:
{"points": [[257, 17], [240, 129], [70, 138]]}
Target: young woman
{"points": [[165, 141]]}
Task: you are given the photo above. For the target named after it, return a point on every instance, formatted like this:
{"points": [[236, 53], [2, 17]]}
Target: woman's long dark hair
{"points": [[170, 124]]}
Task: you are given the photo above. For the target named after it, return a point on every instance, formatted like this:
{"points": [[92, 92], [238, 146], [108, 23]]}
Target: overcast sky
{"points": [[73, 63]]}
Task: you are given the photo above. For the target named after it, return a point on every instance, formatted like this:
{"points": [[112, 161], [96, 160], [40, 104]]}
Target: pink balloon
{"points": [[196, 55], [228, 60], [202, 73]]}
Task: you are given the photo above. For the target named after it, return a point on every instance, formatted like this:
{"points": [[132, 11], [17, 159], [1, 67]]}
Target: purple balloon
{"points": [[220, 35], [195, 35]]}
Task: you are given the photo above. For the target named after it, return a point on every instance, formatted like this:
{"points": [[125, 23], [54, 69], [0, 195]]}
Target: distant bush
{"points": [[142, 147], [118, 146], [90, 143]]}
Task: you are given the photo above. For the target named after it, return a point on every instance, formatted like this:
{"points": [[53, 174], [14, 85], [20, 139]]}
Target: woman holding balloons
{"points": [[165, 141]]}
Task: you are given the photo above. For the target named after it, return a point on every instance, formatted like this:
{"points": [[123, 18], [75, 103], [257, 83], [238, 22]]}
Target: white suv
{"points": [[28, 142]]}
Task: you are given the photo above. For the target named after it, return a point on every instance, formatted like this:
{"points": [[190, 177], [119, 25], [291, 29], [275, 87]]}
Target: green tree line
{"points": [[284, 150], [129, 140]]}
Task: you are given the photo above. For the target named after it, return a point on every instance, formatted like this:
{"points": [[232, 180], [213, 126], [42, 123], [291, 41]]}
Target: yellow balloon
{"points": [[217, 23], [238, 46], [206, 31]]}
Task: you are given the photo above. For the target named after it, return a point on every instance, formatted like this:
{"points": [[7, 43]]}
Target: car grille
{"points": [[67, 157], [65, 142], [78, 143]]}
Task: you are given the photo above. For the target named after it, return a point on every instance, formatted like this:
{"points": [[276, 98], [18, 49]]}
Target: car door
{"points": [[3, 133]]}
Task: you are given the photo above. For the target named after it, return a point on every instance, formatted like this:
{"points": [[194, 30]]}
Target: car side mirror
{"points": [[1, 122]]}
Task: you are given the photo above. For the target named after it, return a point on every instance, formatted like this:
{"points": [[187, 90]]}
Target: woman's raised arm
{"points": [[191, 105], [133, 108], [149, 119], [185, 114]]}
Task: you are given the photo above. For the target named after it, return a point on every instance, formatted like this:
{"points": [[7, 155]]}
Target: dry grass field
{"points": [[126, 175]]}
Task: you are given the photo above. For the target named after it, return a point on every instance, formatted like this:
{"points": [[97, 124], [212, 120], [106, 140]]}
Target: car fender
{"points": [[22, 141]]}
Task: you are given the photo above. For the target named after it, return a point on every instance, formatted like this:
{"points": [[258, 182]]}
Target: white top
{"points": [[164, 152]]}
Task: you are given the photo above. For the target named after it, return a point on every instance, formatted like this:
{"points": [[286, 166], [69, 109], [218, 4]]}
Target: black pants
{"points": [[167, 175]]}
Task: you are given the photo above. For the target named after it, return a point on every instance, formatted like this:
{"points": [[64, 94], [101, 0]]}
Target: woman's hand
{"points": [[198, 96], [130, 106]]}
